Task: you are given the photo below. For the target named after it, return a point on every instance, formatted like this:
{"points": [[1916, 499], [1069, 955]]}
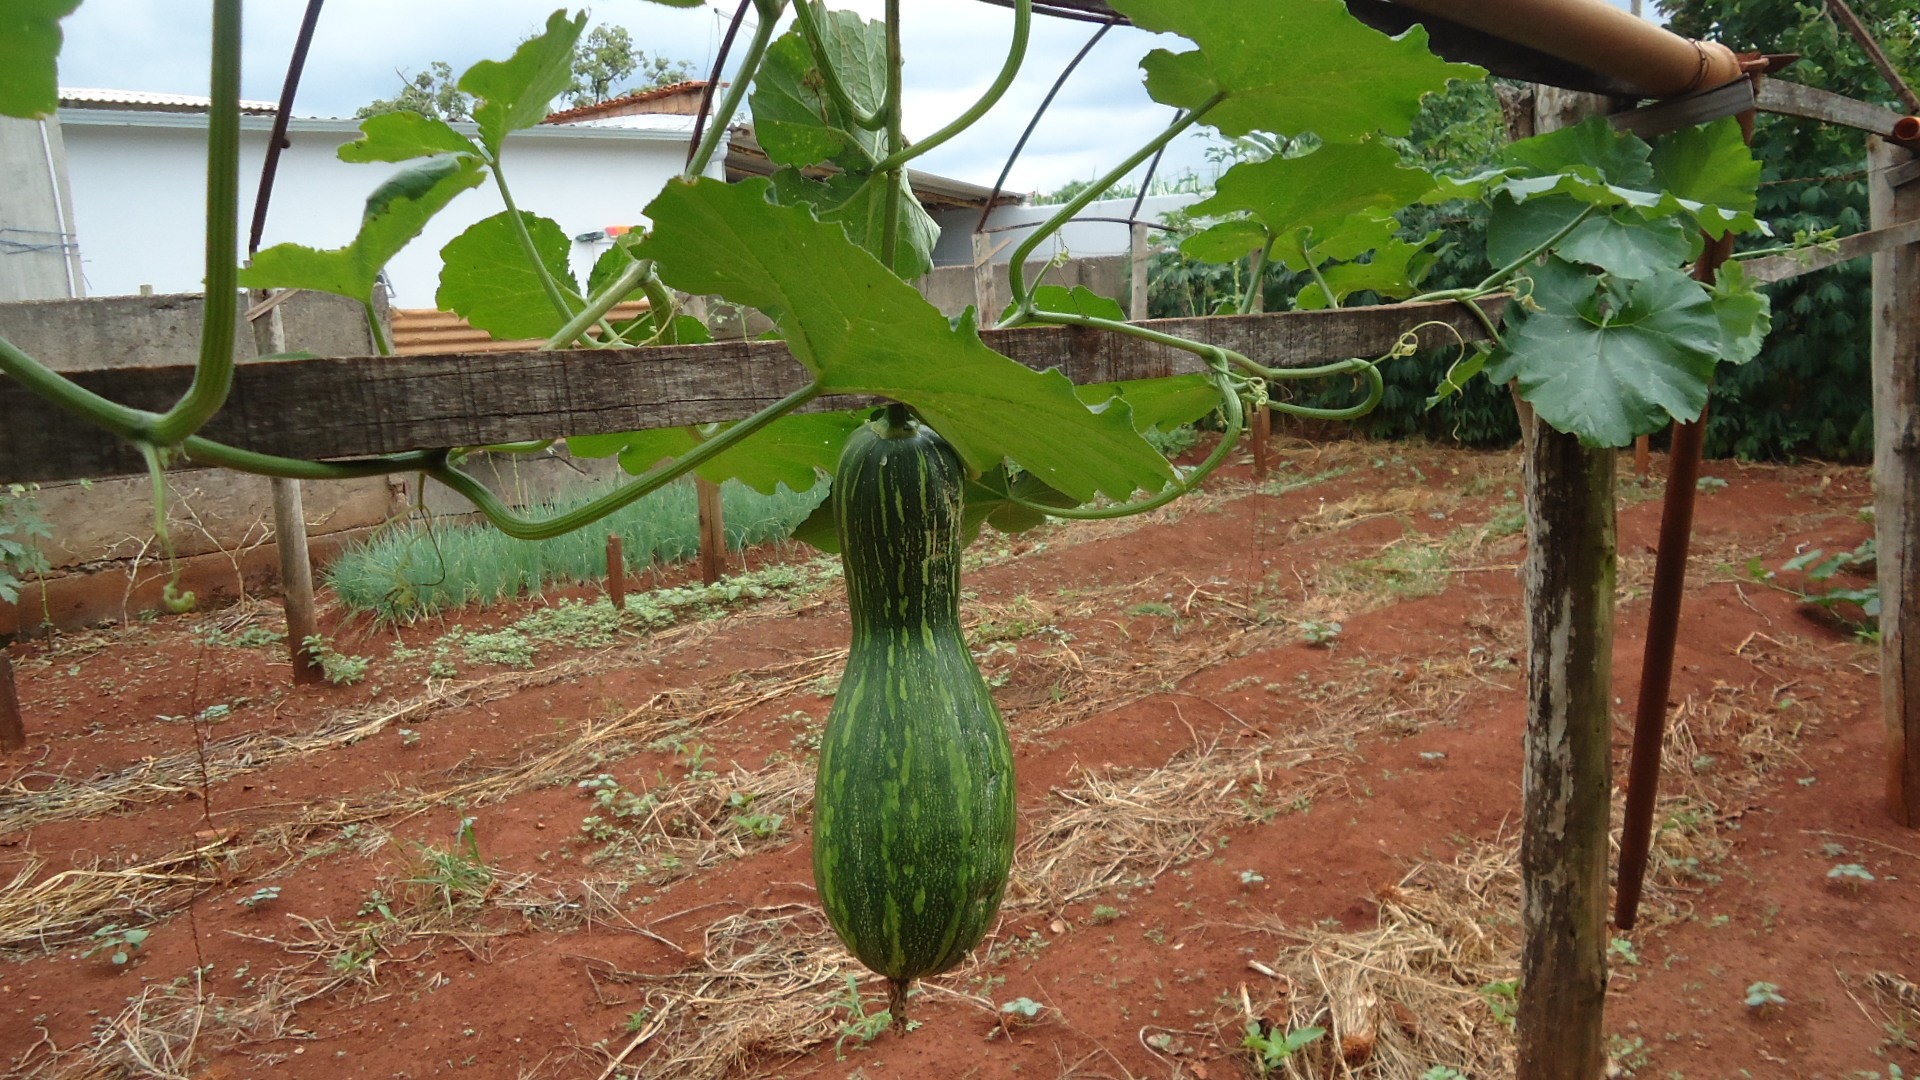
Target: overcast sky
{"points": [[952, 52]]}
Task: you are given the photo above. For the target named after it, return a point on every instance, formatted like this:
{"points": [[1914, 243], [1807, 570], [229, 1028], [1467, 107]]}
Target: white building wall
{"points": [[139, 193]]}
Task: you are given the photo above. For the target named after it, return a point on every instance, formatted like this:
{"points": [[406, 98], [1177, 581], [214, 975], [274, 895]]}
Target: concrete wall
{"points": [[950, 288], [107, 562], [139, 192], [38, 255]]}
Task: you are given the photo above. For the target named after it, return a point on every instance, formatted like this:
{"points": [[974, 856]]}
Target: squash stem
{"points": [[897, 1002]]}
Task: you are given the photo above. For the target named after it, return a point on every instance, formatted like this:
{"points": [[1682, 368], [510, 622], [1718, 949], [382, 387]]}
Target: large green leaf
{"points": [[396, 212], [1225, 241], [792, 450], [1609, 359], [516, 93], [858, 202], [1317, 191], [1394, 272], [403, 136], [1620, 240], [862, 330], [1077, 300], [1158, 403], [485, 277], [1746, 314], [1593, 145], [1288, 66], [29, 56], [1710, 164], [796, 121]]}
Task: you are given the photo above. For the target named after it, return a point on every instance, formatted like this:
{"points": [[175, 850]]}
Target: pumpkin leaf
{"points": [[485, 277], [1289, 66], [396, 212], [403, 136], [861, 330], [515, 93]]}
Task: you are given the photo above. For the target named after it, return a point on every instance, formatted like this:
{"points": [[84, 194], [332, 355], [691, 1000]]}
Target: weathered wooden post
{"points": [[290, 525], [985, 296], [616, 571], [713, 531], [1894, 196], [1137, 271], [1566, 786], [13, 727]]}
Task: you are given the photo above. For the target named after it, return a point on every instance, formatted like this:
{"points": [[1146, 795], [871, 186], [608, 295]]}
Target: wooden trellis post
{"points": [[290, 528], [1566, 786], [1894, 196], [13, 728]]}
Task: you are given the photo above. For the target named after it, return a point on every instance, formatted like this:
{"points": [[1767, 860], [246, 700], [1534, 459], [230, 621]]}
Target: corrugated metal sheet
{"points": [[73, 97], [418, 331]]}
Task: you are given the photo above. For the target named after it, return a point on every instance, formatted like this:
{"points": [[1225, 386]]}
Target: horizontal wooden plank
{"points": [[357, 406], [1674, 114], [1792, 99], [1775, 268]]}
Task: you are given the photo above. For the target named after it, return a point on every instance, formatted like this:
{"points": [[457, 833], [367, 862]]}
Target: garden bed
{"points": [[1268, 746]]}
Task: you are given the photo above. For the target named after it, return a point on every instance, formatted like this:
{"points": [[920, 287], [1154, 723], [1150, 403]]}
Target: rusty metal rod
{"points": [[1663, 632]]}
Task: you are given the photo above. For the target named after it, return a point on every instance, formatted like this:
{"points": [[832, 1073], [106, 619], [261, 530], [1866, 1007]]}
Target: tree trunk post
{"points": [[1565, 792], [290, 536], [1566, 787], [713, 531], [13, 727], [616, 571], [985, 298], [296, 580], [1896, 471], [1136, 272]]}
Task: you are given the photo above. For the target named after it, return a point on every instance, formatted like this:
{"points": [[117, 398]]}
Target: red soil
{"points": [[1147, 987]]}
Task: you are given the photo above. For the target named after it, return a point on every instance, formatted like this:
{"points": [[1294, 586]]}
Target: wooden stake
{"points": [[1896, 473], [1137, 272], [713, 531], [1642, 457], [290, 538], [617, 571], [296, 580], [13, 728], [1262, 434], [985, 299], [1563, 839], [1566, 788]]}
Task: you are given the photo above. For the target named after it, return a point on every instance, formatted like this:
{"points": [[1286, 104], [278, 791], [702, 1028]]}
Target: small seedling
{"points": [[1103, 914], [1710, 484], [1503, 998], [1315, 632], [1272, 1048], [1251, 877], [120, 943], [409, 737], [1853, 875], [1443, 1072], [340, 669], [1622, 949], [637, 1019], [262, 895], [1019, 1012], [1762, 994], [861, 1024]]}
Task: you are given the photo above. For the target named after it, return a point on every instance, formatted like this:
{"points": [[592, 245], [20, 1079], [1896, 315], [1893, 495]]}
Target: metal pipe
{"points": [[1598, 35]]}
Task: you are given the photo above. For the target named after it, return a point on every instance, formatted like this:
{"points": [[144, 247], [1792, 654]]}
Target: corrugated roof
{"points": [[73, 97], [680, 97]]}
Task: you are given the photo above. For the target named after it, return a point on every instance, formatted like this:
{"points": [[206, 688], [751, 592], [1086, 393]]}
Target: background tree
{"points": [[605, 64]]}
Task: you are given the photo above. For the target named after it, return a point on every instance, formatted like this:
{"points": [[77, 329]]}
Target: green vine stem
{"points": [[769, 12], [1259, 270], [213, 376], [889, 169], [899, 154], [1016, 270], [381, 343], [525, 528], [177, 602], [830, 75], [1499, 277]]}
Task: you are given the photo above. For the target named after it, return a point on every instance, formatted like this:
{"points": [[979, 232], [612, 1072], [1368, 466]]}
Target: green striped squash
{"points": [[913, 825]]}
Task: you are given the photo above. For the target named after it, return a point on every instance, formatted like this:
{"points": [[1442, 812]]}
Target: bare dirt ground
{"points": [[1268, 745]]}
